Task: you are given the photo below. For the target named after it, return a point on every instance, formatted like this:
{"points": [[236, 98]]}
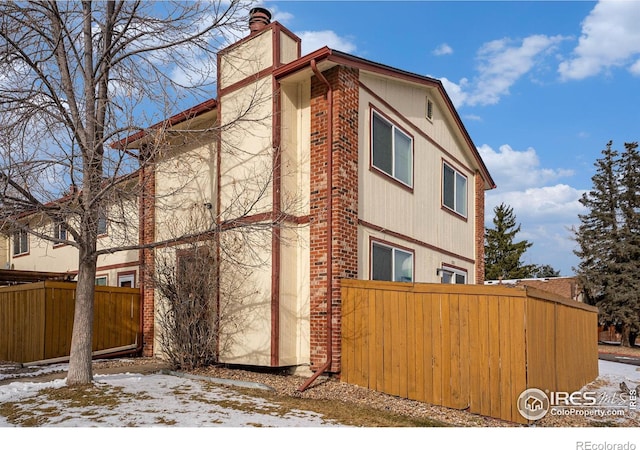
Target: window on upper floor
{"points": [[60, 232], [102, 224], [389, 263], [20, 242], [450, 275], [392, 149], [454, 190]]}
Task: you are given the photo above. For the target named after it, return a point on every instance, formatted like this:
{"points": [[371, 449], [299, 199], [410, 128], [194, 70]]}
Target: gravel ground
{"points": [[332, 389]]}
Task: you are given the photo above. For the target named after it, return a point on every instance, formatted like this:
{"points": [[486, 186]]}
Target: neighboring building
{"points": [[567, 287], [22, 251], [368, 171]]}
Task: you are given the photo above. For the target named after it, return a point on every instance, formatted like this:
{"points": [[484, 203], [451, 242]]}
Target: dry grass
{"points": [[619, 350], [346, 413]]}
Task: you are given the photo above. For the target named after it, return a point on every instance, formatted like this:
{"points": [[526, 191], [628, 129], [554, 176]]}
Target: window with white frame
{"points": [[101, 280], [390, 263], [450, 275], [126, 280], [20, 242], [392, 149], [454, 190]]}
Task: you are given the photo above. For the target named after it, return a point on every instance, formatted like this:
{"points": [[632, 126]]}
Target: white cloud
{"points": [[545, 208], [501, 64], [548, 204], [281, 16], [517, 170], [546, 215], [443, 49], [473, 117], [635, 68], [610, 38], [456, 91], [313, 40]]}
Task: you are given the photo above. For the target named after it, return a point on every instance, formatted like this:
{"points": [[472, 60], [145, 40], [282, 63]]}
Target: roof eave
{"points": [[183, 116]]}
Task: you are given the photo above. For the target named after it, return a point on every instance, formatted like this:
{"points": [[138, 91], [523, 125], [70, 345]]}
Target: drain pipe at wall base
{"points": [[329, 299]]}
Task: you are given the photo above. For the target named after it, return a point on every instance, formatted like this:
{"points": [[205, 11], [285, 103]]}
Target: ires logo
{"points": [[534, 404]]}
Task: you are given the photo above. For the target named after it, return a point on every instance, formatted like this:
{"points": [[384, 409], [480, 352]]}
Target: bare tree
{"points": [[200, 312], [74, 77]]}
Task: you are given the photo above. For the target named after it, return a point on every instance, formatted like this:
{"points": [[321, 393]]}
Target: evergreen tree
{"points": [[545, 271], [502, 254], [609, 240]]}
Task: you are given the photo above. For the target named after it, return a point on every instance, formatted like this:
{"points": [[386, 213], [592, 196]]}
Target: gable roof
{"points": [[335, 57], [181, 117]]}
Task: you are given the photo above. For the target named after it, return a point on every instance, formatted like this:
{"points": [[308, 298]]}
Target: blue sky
{"points": [[541, 87]]}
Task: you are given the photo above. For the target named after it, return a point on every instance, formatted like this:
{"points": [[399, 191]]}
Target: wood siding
{"points": [[465, 346], [36, 320]]}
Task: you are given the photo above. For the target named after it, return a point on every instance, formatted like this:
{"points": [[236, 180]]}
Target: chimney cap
{"points": [[259, 18], [261, 9]]}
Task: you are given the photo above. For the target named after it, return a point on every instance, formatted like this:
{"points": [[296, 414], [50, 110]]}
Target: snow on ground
{"points": [[149, 400], [169, 412]]}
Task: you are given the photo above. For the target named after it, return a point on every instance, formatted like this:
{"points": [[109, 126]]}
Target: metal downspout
{"points": [[329, 299]]}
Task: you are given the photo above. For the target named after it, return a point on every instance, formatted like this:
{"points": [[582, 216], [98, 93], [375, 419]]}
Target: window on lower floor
{"points": [[454, 190], [392, 149], [20, 243], [450, 275], [390, 263], [101, 280], [126, 280]]}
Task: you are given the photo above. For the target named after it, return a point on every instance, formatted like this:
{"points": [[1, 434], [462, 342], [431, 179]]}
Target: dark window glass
{"points": [[382, 263], [382, 145], [448, 187]]}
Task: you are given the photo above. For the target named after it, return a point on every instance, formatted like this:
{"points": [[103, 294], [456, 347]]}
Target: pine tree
{"points": [[545, 271], [502, 254], [609, 240]]}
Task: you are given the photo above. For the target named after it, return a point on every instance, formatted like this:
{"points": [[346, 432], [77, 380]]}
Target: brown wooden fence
{"points": [[36, 320], [465, 346]]}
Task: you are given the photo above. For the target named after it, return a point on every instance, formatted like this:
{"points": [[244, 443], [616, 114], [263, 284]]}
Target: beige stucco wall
{"points": [[246, 191], [288, 48], [246, 58], [294, 247], [246, 169], [246, 174], [419, 213], [185, 187], [4, 252]]}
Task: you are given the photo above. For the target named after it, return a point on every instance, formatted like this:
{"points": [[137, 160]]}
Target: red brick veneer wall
{"points": [[147, 235], [344, 83], [479, 226]]}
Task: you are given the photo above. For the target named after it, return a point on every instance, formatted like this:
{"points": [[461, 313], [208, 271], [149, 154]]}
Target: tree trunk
{"points": [[80, 370], [624, 339]]}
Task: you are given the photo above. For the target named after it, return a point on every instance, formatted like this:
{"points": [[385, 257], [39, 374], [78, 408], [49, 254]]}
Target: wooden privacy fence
{"points": [[467, 347], [36, 320]]}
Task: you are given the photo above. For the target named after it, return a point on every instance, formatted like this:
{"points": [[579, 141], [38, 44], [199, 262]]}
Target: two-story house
{"points": [[367, 170], [305, 170]]}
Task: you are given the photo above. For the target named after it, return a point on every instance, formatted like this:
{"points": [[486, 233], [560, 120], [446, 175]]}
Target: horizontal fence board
{"points": [[465, 346]]}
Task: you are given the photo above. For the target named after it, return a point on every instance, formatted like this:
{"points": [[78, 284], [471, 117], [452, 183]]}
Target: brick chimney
{"points": [[259, 18]]}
